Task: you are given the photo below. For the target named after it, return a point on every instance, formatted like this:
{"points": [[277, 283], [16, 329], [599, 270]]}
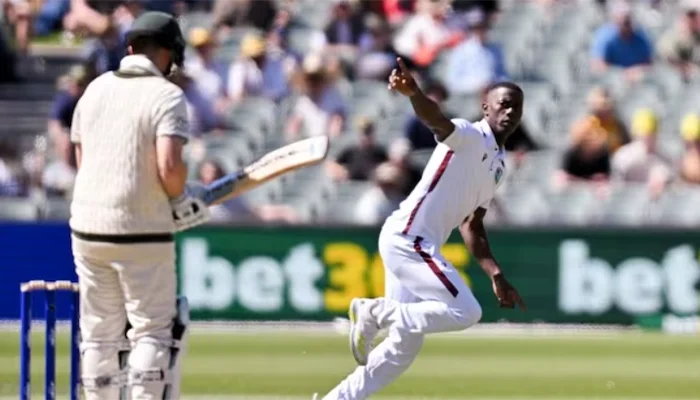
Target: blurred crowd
{"points": [[360, 41], [604, 148]]}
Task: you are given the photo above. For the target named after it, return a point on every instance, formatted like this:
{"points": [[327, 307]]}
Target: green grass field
{"points": [[293, 366]]}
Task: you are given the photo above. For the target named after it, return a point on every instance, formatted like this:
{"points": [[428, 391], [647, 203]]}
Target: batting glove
{"points": [[189, 211]]}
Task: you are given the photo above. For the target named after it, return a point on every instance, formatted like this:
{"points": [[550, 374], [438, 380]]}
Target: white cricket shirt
{"points": [[118, 189], [462, 175]]}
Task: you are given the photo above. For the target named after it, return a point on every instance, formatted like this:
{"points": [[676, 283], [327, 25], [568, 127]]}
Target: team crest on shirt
{"points": [[498, 175]]}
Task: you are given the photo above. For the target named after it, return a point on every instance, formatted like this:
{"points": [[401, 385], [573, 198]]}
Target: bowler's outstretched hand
{"points": [[507, 296], [402, 81]]}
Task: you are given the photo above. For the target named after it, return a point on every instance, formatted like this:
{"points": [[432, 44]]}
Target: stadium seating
{"points": [[18, 209], [547, 53]]}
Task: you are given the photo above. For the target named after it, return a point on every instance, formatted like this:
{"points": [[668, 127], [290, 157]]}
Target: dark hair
{"points": [[504, 84]]}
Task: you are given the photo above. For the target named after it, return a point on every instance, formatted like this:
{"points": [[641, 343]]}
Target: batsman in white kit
{"points": [[130, 196], [424, 293]]}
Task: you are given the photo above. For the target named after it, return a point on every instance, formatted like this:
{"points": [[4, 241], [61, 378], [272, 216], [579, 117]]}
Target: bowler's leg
{"points": [[446, 302], [389, 359], [424, 294]]}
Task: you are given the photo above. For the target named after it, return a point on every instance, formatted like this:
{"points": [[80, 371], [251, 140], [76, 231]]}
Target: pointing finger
{"points": [[402, 65]]}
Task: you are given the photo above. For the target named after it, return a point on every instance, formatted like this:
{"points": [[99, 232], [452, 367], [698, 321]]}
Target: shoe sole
{"points": [[352, 314]]}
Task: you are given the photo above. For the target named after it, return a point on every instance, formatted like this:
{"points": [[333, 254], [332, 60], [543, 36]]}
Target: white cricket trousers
{"points": [[120, 283], [424, 294]]}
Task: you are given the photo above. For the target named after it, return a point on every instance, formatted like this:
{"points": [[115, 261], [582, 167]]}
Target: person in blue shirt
{"points": [[477, 62], [106, 51], [622, 44], [70, 88]]}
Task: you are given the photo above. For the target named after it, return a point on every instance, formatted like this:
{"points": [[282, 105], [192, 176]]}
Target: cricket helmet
{"points": [[164, 29]]}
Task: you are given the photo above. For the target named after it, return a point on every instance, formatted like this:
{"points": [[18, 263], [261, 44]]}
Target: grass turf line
{"points": [[288, 366]]}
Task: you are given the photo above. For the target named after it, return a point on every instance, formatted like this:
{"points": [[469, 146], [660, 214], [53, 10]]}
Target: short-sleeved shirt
{"points": [[676, 45], [245, 78], [608, 45], [316, 115], [586, 167], [462, 175], [117, 121], [634, 163], [63, 107], [361, 162], [420, 30]]}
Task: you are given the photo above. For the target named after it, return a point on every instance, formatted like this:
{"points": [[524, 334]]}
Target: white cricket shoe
{"points": [[363, 329], [315, 397]]}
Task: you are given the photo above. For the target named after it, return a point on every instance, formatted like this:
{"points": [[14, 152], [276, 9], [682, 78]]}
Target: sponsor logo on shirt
{"points": [[499, 174]]}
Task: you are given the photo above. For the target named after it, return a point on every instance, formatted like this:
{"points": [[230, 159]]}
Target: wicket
{"points": [[49, 289]]}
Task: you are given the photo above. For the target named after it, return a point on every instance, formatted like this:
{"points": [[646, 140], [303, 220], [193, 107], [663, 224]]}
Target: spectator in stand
{"points": [[345, 27], [690, 161], [603, 119], [476, 62], [375, 205], [203, 114], [640, 161], [107, 25], [396, 12], [343, 32], [621, 44], [321, 109], [283, 24], [124, 15], [208, 74], [425, 35], [259, 71], [238, 209], [680, 45], [84, 20], [104, 53], [418, 135], [358, 161], [376, 56], [70, 88], [13, 180], [251, 13], [58, 177], [400, 157], [8, 60], [594, 139], [18, 14]]}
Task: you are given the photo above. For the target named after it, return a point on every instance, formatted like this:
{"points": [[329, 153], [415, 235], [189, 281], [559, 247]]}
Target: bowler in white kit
{"points": [[424, 293]]}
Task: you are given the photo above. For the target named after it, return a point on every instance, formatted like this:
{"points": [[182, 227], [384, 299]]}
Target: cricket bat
{"points": [[288, 158]]}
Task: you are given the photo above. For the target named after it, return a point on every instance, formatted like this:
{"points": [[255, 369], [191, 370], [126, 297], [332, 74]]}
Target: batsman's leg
{"points": [[157, 319], [102, 321]]}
